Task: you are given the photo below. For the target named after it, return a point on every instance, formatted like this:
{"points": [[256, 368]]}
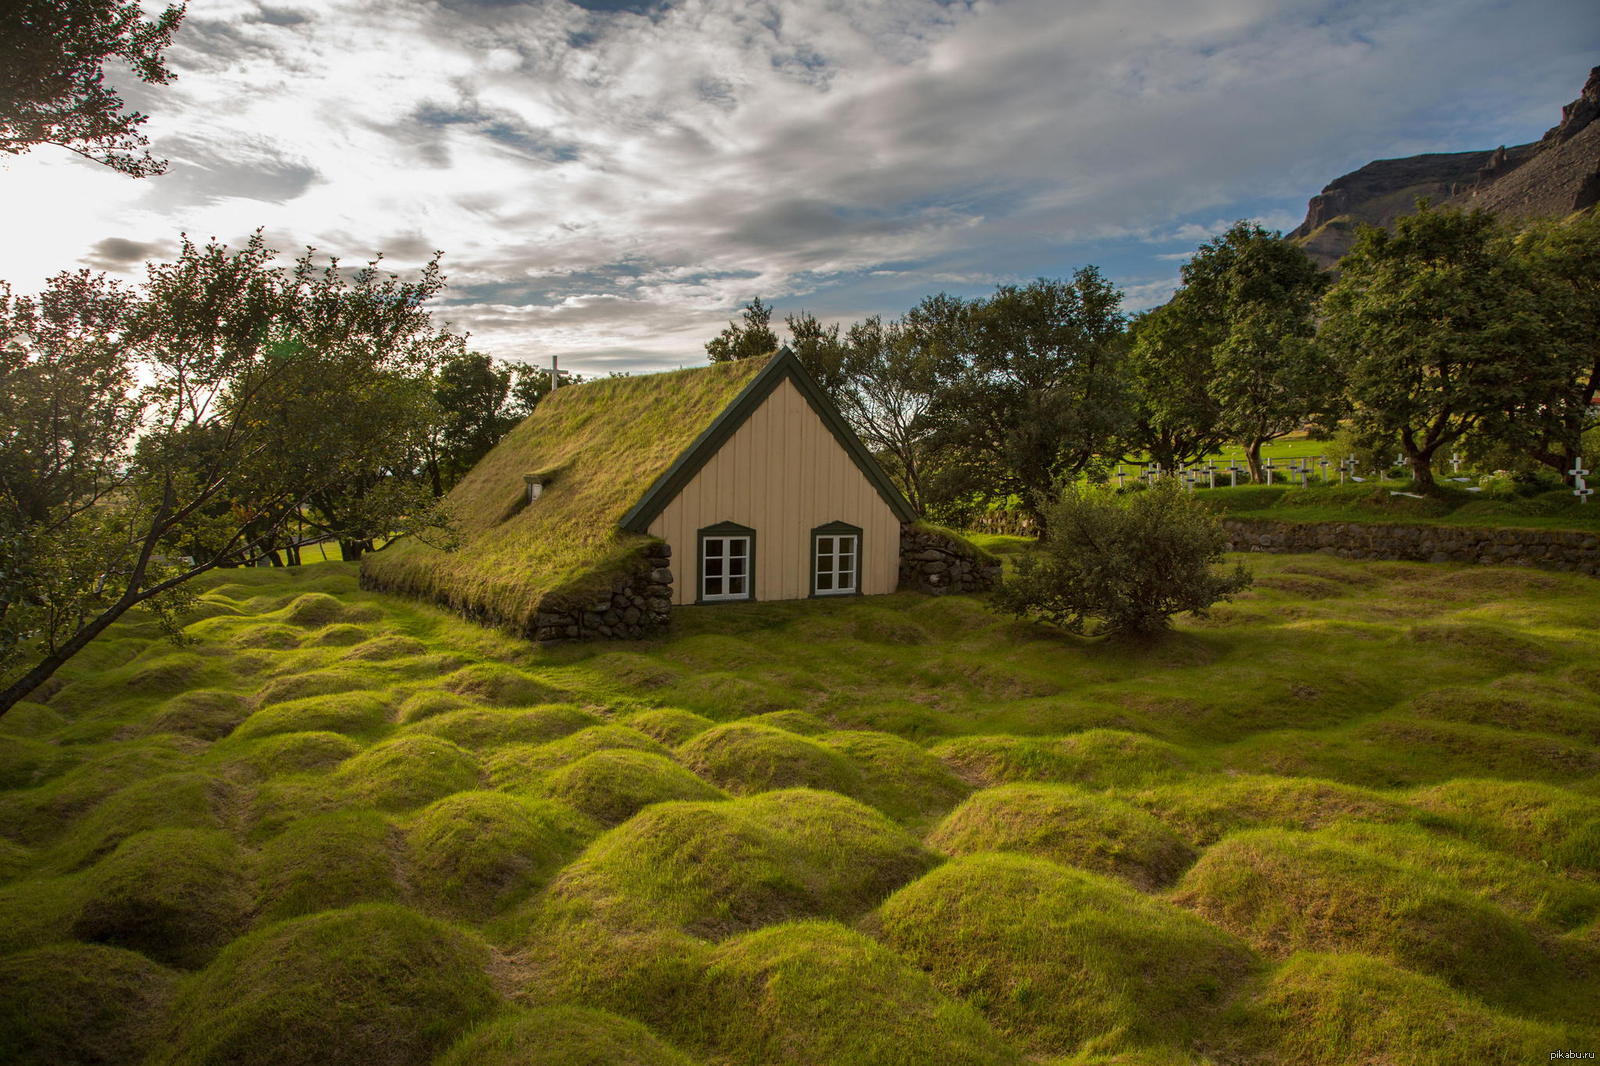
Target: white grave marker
{"points": [[1580, 488]]}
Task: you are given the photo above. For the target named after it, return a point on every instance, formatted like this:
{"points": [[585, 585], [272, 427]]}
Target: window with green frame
{"points": [[836, 560]]}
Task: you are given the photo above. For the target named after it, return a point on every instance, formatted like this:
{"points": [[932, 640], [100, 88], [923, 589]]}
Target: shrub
{"points": [[1127, 562], [80, 1003], [1069, 826], [1057, 957], [562, 1036], [176, 895], [474, 853], [327, 861], [369, 984], [814, 992], [612, 786]]}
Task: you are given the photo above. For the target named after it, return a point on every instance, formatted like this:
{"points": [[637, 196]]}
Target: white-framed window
{"points": [[727, 558], [835, 560]]}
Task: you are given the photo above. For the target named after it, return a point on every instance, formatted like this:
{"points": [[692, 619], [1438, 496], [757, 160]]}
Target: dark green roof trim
{"points": [[785, 365]]}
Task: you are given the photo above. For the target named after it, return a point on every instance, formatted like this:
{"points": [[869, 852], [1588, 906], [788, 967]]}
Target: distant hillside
{"points": [[1553, 176]]}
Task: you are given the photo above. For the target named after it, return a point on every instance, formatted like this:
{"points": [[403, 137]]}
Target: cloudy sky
{"points": [[610, 179]]}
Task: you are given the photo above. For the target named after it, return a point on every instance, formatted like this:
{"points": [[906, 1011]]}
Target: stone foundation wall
{"points": [[934, 563], [1545, 549], [639, 605]]}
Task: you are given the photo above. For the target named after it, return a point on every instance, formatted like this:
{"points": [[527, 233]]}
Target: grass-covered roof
{"points": [[599, 446]]}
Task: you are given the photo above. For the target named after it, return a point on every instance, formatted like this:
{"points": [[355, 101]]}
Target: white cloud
{"points": [[610, 186]]}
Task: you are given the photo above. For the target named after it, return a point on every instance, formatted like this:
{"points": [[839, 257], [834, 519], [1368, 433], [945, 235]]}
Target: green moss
{"points": [[37, 911], [15, 859], [205, 714], [266, 636], [1066, 825], [30, 719], [36, 814], [1095, 758], [25, 762], [429, 702], [746, 758], [288, 753], [814, 992], [67, 1004], [669, 725], [807, 725], [1536, 821], [489, 727], [386, 649], [475, 853], [354, 987], [356, 713], [1062, 960], [311, 683], [327, 861], [1330, 1010], [1204, 809], [313, 610], [721, 868], [407, 772], [170, 801], [897, 776], [523, 767], [562, 1036], [176, 895], [611, 786], [1285, 892], [500, 685]]}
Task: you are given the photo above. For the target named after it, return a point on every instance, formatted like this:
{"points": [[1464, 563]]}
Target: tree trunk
{"points": [[350, 550], [1252, 457]]}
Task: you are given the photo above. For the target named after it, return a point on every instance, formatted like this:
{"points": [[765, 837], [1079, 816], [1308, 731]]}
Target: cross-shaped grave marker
{"points": [[1322, 461], [1455, 462], [1211, 474], [1269, 471], [1581, 488], [1233, 473], [1121, 477]]}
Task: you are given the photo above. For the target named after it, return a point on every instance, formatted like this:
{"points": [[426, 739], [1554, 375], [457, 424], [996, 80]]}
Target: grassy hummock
{"points": [[368, 984], [328, 861], [746, 758], [562, 1036], [81, 1003], [612, 786]]}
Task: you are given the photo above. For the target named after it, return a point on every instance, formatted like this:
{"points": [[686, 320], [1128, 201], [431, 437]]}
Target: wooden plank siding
{"points": [[782, 474]]}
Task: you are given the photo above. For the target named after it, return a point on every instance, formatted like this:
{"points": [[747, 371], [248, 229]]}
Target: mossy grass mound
{"points": [[1528, 712], [802, 722], [328, 861], [1205, 808], [34, 815], [206, 714], [176, 895], [29, 718], [746, 758], [523, 767], [353, 987], [356, 713], [81, 1004], [407, 772], [612, 786], [811, 992], [170, 801], [313, 610], [716, 869], [15, 859], [338, 635], [500, 685], [37, 911], [1331, 1010], [1068, 825], [385, 648], [1541, 822], [475, 853], [1285, 891], [1528, 889], [429, 702], [298, 686], [897, 777], [562, 1036], [1095, 758], [25, 762], [260, 636], [286, 753], [1062, 960], [490, 727], [671, 726]]}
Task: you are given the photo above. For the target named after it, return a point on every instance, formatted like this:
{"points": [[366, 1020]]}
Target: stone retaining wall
{"points": [[934, 563], [1542, 548], [639, 605]]}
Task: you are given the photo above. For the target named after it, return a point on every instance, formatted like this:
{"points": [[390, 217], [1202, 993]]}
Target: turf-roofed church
{"points": [[617, 499]]}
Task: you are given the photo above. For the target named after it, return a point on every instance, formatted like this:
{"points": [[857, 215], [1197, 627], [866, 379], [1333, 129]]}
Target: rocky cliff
{"points": [[1553, 176]]}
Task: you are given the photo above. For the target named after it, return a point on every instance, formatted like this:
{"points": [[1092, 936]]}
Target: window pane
{"points": [[713, 568], [739, 547], [713, 586], [824, 582], [736, 586], [713, 545], [736, 565], [824, 545]]}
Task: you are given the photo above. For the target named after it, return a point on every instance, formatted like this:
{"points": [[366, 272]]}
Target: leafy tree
{"points": [[748, 341], [1027, 387], [472, 394], [1123, 562], [52, 77], [1249, 299], [1442, 331], [189, 424], [820, 350], [1175, 418]]}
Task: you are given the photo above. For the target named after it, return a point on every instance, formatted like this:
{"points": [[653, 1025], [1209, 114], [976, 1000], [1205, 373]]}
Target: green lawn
{"points": [[1398, 502], [1353, 816]]}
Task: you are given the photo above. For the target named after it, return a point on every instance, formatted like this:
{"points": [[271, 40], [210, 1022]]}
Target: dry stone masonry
{"points": [[639, 605], [934, 563], [1545, 549]]}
